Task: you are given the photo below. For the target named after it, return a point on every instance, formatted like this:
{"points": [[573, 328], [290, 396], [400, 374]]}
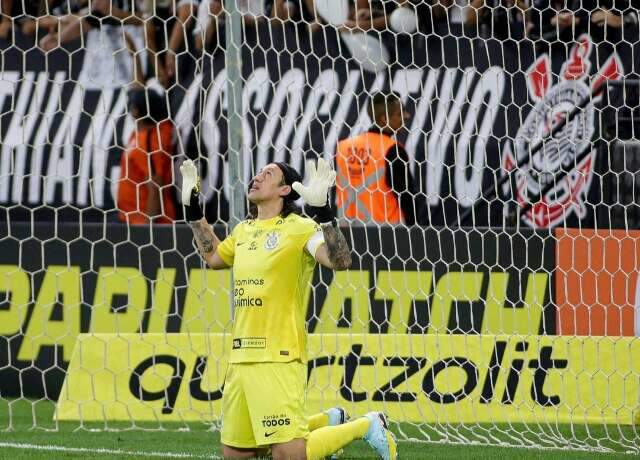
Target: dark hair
{"points": [[380, 103], [151, 106]]}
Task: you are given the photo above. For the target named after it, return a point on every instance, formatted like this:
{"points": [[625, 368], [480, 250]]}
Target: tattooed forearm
{"points": [[205, 238], [339, 252]]}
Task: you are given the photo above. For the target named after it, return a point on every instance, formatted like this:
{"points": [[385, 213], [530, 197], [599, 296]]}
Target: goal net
{"points": [[493, 296]]}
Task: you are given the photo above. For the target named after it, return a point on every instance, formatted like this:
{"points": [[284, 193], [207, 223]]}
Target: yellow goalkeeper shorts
{"points": [[264, 403]]}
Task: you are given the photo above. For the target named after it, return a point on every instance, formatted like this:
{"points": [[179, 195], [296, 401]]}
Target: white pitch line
{"points": [[25, 446]]}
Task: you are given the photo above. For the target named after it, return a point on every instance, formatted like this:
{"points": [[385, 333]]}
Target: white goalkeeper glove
{"points": [[316, 193], [191, 191], [321, 179], [190, 181]]}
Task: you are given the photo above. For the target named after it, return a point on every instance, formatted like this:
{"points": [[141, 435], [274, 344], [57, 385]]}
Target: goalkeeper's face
{"points": [[268, 185]]}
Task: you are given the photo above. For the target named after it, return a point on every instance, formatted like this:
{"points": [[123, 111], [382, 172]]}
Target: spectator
{"points": [[113, 32], [22, 13], [49, 14], [145, 191], [210, 24], [605, 20], [455, 13], [374, 179], [254, 11], [366, 15], [185, 20], [159, 20], [499, 19], [298, 12], [557, 20], [209, 29], [615, 20], [432, 15], [6, 18], [310, 15]]}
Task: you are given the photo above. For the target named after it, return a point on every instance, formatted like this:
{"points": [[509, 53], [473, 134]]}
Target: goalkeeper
{"points": [[273, 255]]}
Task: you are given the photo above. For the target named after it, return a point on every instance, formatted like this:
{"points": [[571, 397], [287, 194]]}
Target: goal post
{"points": [[508, 315]]}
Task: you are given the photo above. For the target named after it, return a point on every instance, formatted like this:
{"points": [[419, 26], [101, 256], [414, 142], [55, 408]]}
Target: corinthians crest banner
{"points": [[479, 109], [564, 169]]}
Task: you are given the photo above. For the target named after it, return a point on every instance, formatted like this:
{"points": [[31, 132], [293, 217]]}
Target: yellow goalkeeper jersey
{"points": [[272, 262]]}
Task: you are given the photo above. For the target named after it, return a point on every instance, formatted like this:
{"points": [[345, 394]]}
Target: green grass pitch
{"points": [[20, 440]]}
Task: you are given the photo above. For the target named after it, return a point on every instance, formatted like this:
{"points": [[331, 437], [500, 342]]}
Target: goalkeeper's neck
{"points": [[269, 209]]}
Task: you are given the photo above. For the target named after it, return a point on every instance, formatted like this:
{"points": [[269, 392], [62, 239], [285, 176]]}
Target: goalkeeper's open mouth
{"points": [[254, 188]]}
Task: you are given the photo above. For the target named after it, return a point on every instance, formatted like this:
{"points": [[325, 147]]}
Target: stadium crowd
{"points": [[163, 31]]}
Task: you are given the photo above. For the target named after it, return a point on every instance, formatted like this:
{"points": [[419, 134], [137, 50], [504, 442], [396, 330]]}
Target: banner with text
{"points": [[412, 378], [60, 281], [478, 108]]}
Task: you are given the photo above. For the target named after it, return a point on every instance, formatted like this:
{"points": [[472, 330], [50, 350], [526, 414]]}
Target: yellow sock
{"points": [[329, 439], [318, 421]]}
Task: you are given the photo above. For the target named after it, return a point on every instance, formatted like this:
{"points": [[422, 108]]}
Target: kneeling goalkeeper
{"points": [[273, 255]]}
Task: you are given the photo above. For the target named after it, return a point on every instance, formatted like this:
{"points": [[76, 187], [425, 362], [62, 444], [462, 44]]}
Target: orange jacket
{"points": [[149, 153], [362, 189]]}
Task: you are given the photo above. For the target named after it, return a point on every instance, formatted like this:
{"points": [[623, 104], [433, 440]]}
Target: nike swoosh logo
{"points": [[266, 435], [240, 243]]}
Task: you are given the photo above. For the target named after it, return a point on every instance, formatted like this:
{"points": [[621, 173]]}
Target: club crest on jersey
{"points": [[272, 241], [553, 102]]}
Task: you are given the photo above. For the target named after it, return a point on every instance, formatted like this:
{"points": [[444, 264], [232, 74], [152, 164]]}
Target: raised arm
{"points": [[206, 240], [106, 8], [334, 253], [185, 15]]}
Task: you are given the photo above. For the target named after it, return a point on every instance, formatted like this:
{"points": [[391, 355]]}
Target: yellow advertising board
{"points": [[413, 378], [57, 304]]}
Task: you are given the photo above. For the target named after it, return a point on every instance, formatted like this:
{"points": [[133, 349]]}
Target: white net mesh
{"points": [[493, 295]]}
